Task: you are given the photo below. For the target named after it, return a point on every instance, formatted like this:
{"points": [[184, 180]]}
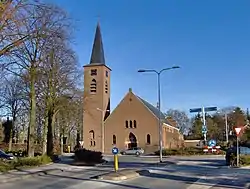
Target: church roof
{"points": [[97, 55], [154, 110]]}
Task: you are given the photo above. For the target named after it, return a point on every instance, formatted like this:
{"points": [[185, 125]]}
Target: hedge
{"points": [[24, 162], [88, 156], [244, 160], [184, 151]]}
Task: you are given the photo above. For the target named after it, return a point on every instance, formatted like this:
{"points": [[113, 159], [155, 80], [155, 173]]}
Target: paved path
{"points": [[188, 173]]}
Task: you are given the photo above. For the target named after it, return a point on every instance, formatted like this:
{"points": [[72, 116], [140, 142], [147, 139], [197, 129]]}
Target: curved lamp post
{"points": [[159, 101]]}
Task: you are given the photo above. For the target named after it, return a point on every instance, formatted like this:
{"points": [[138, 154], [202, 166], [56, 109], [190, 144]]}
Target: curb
{"points": [[123, 176]]}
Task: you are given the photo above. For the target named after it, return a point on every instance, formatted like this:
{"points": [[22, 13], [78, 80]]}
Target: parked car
{"points": [[5, 156], [133, 151]]}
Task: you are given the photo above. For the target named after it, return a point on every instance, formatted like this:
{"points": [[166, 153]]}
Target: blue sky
{"points": [[210, 40]]}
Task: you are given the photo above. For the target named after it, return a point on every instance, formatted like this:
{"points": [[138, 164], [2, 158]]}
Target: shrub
{"points": [[88, 156], [185, 151], [245, 160], [32, 161]]}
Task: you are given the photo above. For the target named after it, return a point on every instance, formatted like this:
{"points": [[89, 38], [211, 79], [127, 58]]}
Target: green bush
{"points": [[245, 160], [88, 156], [24, 162], [185, 152]]}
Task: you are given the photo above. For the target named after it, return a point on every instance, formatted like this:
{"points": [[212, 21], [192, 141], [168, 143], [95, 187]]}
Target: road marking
{"points": [[202, 183]]}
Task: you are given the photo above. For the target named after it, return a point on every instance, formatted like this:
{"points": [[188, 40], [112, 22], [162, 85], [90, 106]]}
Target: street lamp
{"points": [[103, 114], [159, 101]]}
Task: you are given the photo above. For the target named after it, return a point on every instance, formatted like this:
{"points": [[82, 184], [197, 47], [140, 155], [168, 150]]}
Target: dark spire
{"points": [[97, 56]]}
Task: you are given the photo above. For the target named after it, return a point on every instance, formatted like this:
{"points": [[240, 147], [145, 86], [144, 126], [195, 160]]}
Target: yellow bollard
{"points": [[116, 162], [68, 149]]}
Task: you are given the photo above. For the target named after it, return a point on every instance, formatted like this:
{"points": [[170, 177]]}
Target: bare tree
{"points": [[12, 98]]}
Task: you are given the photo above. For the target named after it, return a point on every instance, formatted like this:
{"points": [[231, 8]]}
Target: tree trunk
{"points": [[32, 123], [45, 131], [50, 137], [61, 143]]}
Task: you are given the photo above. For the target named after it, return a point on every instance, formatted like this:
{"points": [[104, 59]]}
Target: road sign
{"points": [[195, 110], [237, 130], [115, 150], [212, 143], [210, 109]]}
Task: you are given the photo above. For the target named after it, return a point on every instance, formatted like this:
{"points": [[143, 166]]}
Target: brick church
{"points": [[133, 123]]}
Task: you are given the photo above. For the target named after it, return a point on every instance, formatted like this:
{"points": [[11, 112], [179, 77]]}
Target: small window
{"points": [[107, 73], [126, 123], [91, 134], [93, 72], [131, 124], [148, 139], [106, 87], [135, 124], [93, 86], [94, 143], [114, 139]]}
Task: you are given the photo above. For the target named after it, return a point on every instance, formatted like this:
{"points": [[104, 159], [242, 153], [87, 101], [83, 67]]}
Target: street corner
{"points": [[124, 174]]}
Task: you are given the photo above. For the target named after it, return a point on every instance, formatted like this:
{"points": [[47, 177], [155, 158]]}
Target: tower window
{"points": [[93, 86], [114, 139], [148, 139], [107, 73], [106, 87], [135, 125], [93, 72], [130, 124], [126, 123], [92, 138]]}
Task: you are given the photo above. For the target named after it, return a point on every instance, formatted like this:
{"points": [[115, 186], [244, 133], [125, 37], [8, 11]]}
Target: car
{"points": [[133, 151], [5, 156]]}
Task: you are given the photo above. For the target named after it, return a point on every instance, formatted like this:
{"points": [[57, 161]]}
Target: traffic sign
{"points": [[237, 130], [195, 110], [212, 142], [115, 150], [210, 109]]}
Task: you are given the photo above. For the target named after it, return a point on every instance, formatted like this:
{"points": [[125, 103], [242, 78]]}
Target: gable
{"points": [[130, 106]]}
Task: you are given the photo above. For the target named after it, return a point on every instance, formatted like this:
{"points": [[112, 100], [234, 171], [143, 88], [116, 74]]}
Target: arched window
{"points": [[114, 139], [92, 134], [130, 124], [93, 86], [135, 124], [148, 139], [126, 123], [106, 87]]}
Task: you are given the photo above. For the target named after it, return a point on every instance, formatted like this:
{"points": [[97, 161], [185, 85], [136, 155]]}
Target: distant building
{"points": [[133, 123]]}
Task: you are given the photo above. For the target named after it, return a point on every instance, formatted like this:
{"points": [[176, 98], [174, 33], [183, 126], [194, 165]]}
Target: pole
{"points": [[102, 131], [204, 122], [226, 128], [237, 151], [159, 116], [116, 162]]}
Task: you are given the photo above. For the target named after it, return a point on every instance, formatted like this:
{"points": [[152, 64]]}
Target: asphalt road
{"points": [[187, 173]]}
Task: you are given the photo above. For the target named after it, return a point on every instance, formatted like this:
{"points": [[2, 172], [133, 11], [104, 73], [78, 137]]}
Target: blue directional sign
{"points": [[210, 109], [212, 143], [115, 150], [195, 110]]}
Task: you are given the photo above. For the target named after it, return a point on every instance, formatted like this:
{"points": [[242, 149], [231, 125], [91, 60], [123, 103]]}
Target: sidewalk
{"points": [[24, 173]]}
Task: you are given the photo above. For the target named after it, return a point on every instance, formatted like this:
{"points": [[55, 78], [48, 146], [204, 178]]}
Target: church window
{"points": [[130, 124], [114, 139], [126, 123], [93, 86], [93, 72], [135, 125], [106, 87], [107, 73], [92, 138], [148, 139]]}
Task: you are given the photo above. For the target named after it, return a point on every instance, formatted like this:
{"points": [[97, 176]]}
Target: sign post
{"points": [[237, 130], [203, 110], [115, 152]]}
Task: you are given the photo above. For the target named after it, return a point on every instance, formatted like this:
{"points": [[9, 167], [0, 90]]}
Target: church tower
{"points": [[96, 97]]}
